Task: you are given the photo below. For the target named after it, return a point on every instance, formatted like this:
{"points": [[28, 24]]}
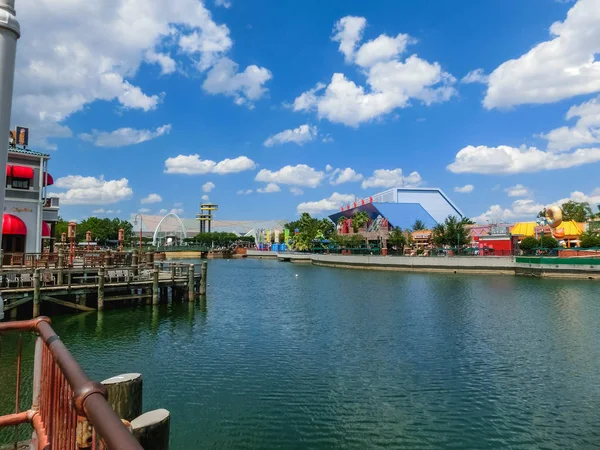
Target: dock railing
{"points": [[64, 400]]}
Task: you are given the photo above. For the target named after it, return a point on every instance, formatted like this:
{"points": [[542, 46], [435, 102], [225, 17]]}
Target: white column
{"points": [[9, 33]]}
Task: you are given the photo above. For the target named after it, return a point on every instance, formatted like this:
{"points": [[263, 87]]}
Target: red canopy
{"points": [[45, 230], [22, 172], [13, 225], [8, 170], [50, 179]]}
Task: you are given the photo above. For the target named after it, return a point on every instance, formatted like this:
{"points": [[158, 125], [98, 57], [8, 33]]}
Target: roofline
{"points": [[425, 189]]}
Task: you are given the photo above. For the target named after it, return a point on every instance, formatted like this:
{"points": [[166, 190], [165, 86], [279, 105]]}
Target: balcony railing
{"points": [[52, 202]]}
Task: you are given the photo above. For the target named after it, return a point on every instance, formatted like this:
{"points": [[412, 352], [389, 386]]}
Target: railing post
{"points": [[191, 290], [203, 279], [173, 268], [36, 292], [150, 258], [134, 262], [101, 289], [155, 291], [61, 266]]}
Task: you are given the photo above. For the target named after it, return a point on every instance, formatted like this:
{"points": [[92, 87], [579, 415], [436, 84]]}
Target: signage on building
{"points": [[22, 136], [21, 210]]}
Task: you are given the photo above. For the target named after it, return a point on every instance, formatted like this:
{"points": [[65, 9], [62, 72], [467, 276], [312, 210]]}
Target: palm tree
{"points": [[419, 225], [359, 219]]}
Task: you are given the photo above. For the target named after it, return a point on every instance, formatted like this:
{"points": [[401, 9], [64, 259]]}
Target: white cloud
{"points": [[475, 76], [392, 83], [223, 3], [123, 136], [389, 178], [504, 159], [208, 186], [166, 63], [99, 211], [296, 190], [520, 210], [176, 211], [92, 191], [327, 139], [466, 189], [299, 175], [328, 168], [592, 198], [585, 132], [244, 192], [333, 202], [83, 51], [347, 175], [244, 87], [562, 67], [517, 191], [152, 198], [193, 165], [300, 136], [144, 210], [205, 198], [269, 189], [163, 211]]}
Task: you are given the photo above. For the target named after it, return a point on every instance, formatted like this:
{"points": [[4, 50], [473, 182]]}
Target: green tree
{"points": [[590, 239], [359, 220], [419, 225], [397, 238], [452, 233], [309, 228], [577, 211], [438, 235], [467, 221], [548, 242], [529, 243]]}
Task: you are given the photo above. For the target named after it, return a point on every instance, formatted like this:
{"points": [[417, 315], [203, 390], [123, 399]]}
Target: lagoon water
{"points": [[336, 358]]}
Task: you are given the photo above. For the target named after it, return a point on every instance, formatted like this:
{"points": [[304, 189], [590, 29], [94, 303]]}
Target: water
{"points": [[339, 358]]}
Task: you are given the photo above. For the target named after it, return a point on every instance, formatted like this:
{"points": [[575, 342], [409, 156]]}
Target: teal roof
{"points": [[25, 151]]}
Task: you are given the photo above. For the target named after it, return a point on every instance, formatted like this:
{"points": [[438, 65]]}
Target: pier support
{"points": [[125, 395], [101, 289], [191, 286], [203, 279], [37, 284], [61, 267], [135, 259], [155, 289], [152, 429]]}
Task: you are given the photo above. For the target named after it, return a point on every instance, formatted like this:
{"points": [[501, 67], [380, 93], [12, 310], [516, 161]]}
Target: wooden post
{"points": [[150, 258], [61, 266], [37, 284], [100, 288], [152, 429], [203, 279], [191, 290], [125, 395], [155, 291], [134, 262], [173, 268]]}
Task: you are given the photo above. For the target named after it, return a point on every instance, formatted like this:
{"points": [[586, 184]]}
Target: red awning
{"points": [[22, 172], [13, 225], [45, 230], [50, 180], [8, 170]]}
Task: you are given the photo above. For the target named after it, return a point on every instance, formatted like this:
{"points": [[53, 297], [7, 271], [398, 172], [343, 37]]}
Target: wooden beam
{"points": [[57, 301], [17, 303], [127, 297]]}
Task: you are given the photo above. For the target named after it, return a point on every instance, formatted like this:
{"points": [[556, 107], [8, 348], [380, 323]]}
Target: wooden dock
{"points": [[32, 291]]}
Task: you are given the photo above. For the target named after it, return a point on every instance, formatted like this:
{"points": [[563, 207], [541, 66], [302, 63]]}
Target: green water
{"points": [[339, 358]]}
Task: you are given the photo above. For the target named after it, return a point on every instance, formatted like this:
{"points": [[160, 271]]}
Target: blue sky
{"points": [[272, 108]]}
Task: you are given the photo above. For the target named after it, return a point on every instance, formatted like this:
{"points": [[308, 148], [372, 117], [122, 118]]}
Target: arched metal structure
{"points": [[156, 231]]}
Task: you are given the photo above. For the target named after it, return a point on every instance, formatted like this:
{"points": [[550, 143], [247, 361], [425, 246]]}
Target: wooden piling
{"points": [[152, 429], [101, 289], [125, 395], [191, 290], [155, 290], [37, 284], [203, 279], [61, 267], [135, 258]]}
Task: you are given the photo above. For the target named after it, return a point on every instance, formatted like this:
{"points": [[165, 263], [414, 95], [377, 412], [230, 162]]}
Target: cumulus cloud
{"points": [[296, 190], [205, 198], [176, 211], [223, 3], [84, 51], [269, 189], [585, 132], [466, 189], [386, 178], [561, 67], [105, 211], [244, 192], [208, 186], [506, 160], [475, 76], [391, 82], [517, 191], [144, 210], [300, 136], [520, 210], [347, 175], [123, 136], [91, 190], [299, 175], [193, 165], [333, 202], [152, 198]]}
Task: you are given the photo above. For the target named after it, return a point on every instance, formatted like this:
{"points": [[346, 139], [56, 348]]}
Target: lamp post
{"points": [[135, 221], [72, 232]]}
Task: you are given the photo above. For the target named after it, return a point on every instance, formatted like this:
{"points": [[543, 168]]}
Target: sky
{"points": [[273, 108]]}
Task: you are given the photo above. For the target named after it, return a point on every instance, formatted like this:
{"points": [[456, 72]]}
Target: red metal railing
{"points": [[65, 402]]}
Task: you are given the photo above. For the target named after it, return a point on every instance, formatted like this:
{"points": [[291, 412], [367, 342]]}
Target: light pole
{"points": [[10, 31], [135, 221]]}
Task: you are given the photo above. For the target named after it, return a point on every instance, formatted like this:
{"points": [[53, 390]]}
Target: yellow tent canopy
{"points": [[572, 229], [524, 229]]}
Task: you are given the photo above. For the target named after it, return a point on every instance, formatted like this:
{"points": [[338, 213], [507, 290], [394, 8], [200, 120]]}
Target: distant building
{"points": [[29, 215]]}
